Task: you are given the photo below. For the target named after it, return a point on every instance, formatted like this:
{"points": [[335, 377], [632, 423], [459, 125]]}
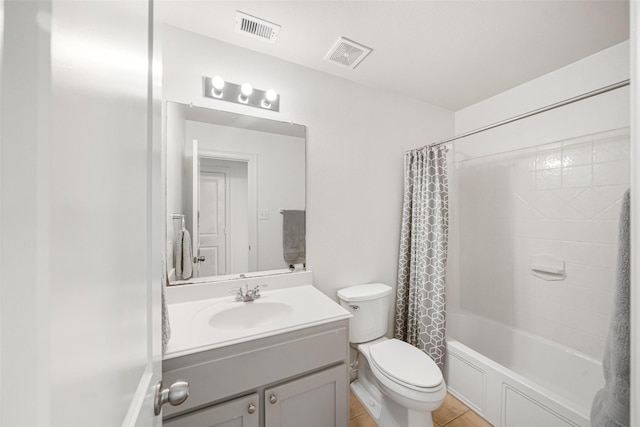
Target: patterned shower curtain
{"points": [[420, 304]]}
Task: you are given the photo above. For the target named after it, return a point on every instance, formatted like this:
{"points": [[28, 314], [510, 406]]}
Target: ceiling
{"points": [[449, 53]]}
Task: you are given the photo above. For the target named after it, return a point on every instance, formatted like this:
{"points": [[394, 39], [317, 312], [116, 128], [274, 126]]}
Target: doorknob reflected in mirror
{"points": [[200, 258], [175, 394]]}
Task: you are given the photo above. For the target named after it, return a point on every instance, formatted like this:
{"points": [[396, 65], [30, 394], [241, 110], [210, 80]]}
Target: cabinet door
{"points": [[241, 412], [317, 400]]}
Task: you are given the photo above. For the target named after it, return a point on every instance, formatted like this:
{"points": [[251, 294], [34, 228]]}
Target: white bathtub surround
{"points": [[576, 225], [420, 295], [561, 200], [514, 378]]}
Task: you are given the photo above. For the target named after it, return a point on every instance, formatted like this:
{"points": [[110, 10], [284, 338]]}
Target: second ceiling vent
{"points": [[347, 53], [256, 27]]}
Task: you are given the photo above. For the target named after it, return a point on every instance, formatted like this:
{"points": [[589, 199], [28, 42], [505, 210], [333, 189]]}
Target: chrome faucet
{"points": [[246, 294]]}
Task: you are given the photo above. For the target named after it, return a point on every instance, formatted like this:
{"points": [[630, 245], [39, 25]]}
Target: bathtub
{"points": [[516, 379]]}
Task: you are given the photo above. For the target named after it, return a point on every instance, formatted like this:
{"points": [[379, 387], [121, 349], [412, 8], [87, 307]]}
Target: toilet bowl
{"points": [[398, 384], [405, 373]]}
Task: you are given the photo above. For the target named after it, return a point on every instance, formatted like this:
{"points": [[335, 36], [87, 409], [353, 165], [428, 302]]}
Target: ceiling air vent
{"points": [[256, 27], [347, 53]]}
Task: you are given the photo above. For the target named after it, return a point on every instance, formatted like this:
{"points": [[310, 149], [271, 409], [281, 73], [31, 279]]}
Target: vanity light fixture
{"points": [[216, 88]]}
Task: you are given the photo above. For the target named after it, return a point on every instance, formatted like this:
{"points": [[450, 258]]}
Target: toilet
{"points": [[397, 383]]}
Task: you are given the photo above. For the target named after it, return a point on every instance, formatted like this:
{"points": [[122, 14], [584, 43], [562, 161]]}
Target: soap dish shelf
{"points": [[548, 267]]}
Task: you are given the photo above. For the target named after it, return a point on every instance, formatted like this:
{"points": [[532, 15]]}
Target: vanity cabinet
{"points": [[241, 412], [298, 378], [316, 400]]}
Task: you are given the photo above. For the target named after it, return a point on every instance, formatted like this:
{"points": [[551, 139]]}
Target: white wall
{"points": [[547, 184], [356, 139], [593, 72]]}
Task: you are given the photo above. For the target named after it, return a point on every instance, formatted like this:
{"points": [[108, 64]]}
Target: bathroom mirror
{"points": [[230, 181]]}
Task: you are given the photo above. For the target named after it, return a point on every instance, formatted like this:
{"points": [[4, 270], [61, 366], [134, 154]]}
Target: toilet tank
{"points": [[369, 305]]}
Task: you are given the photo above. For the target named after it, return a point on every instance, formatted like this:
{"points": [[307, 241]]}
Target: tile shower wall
{"points": [[560, 199]]}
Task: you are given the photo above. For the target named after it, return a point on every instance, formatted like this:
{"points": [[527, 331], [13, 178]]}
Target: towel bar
{"points": [[179, 216]]}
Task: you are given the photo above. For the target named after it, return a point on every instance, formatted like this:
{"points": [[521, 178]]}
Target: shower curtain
{"points": [[420, 299]]}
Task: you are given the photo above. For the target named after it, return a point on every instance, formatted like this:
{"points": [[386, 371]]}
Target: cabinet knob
{"points": [[273, 398], [252, 408]]}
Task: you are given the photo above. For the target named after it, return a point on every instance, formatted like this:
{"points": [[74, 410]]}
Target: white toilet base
{"points": [[384, 410], [370, 403]]}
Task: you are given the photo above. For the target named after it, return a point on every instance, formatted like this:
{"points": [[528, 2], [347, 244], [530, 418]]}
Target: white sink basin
{"points": [[250, 315], [211, 323]]}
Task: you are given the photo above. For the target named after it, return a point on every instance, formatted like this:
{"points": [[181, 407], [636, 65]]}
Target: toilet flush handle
{"points": [[355, 307]]}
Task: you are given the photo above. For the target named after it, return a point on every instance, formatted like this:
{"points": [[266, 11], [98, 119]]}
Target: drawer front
{"points": [[231, 375]]}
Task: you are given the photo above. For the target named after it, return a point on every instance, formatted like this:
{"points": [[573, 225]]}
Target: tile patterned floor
{"points": [[452, 413]]}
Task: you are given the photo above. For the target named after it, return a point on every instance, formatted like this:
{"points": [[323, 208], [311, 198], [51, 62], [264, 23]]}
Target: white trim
{"points": [[195, 206], [25, 134], [139, 398]]}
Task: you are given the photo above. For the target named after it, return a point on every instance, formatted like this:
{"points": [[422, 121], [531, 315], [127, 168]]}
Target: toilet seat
{"points": [[406, 365]]}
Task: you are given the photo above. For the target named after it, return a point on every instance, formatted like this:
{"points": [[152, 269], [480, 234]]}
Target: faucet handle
{"points": [[239, 294], [256, 290]]}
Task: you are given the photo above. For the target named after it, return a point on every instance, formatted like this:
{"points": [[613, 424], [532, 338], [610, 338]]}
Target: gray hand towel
{"points": [[610, 407], [293, 232], [184, 259], [166, 326]]}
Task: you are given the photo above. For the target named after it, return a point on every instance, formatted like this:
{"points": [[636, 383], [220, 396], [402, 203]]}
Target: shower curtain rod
{"points": [[534, 112]]}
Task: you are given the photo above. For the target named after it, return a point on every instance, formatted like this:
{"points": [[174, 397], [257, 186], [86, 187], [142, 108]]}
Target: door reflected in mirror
{"points": [[232, 177]]}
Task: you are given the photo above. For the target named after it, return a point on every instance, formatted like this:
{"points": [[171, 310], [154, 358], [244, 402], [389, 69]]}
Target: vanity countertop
{"points": [[217, 322]]}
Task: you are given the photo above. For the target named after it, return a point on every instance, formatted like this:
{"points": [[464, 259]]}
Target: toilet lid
{"points": [[405, 363]]}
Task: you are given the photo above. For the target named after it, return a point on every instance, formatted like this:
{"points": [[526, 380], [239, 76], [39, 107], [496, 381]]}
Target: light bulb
{"points": [[218, 83], [271, 95], [246, 89]]}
